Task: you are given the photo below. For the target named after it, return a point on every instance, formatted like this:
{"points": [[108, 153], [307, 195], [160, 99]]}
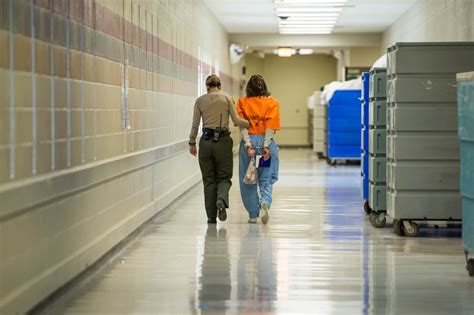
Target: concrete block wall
{"points": [[95, 109], [433, 20]]}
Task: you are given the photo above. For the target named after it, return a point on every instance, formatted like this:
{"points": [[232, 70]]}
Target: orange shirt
{"points": [[261, 112]]}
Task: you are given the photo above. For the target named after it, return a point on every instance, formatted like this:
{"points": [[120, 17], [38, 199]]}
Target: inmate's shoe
{"points": [[264, 211], [221, 213], [252, 220], [211, 221]]}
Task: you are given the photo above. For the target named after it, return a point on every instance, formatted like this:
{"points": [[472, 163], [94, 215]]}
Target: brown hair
{"points": [[256, 86], [213, 81]]}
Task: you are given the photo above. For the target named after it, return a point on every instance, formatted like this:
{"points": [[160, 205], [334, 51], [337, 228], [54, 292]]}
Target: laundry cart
{"points": [[364, 138], [377, 147], [422, 144], [466, 134], [344, 126], [319, 126]]}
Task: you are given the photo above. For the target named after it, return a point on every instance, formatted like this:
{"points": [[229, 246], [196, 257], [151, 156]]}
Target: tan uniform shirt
{"points": [[213, 107]]}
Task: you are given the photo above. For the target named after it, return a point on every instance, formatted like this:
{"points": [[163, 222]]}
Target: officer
{"points": [[215, 146]]}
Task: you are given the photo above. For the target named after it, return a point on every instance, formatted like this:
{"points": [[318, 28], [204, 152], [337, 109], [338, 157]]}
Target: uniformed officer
{"points": [[215, 146]]}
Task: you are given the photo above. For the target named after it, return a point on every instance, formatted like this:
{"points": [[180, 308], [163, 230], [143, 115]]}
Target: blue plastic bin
{"points": [[344, 125]]}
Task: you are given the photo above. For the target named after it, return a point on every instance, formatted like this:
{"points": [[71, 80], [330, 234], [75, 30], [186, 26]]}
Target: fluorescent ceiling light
{"points": [[309, 1], [319, 23], [281, 11], [305, 51], [285, 51], [306, 15], [306, 27], [309, 18], [305, 32]]}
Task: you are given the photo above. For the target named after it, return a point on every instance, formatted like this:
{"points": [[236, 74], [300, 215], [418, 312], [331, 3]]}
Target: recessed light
{"points": [[305, 32], [307, 10], [285, 51], [309, 15], [308, 2]]}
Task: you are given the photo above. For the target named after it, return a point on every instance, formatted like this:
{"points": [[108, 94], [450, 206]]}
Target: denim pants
{"points": [[254, 195]]}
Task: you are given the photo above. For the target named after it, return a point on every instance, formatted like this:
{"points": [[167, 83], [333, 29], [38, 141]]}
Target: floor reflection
{"points": [[256, 275], [214, 279]]}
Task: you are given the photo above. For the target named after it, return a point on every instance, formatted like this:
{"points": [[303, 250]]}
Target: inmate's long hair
{"points": [[256, 87]]}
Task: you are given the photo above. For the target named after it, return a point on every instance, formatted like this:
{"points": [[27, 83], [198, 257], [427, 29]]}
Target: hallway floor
{"points": [[318, 255]]}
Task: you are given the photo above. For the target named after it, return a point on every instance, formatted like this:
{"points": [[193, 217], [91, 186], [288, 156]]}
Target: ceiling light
{"points": [[285, 51], [308, 15], [309, 19], [306, 26], [304, 51], [318, 23], [281, 11], [305, 32], [310, 1]]}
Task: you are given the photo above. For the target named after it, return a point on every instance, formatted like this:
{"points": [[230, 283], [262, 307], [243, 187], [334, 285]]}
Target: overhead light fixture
{"points": [[297, 23], [308, 18], [285, 51], [304, 51], [306, 26], [291, 10], [308, 2], [297, 32], [308, 15]]}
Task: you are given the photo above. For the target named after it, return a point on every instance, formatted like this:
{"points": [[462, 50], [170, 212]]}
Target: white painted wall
{"points": [[433, 20]]}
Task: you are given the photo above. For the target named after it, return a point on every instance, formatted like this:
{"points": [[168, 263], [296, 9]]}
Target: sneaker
{"points": [[221, 213], [252, 220], [264, 211], [211, 221]]}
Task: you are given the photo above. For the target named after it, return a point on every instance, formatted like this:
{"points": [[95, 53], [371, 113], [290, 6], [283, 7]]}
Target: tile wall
{"points": [[96, 98]]}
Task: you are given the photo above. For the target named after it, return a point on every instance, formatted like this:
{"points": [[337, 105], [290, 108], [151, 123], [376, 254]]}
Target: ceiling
{"points": [[258, 16]]}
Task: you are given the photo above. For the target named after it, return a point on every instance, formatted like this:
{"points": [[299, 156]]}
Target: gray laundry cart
{"points": [[422, 145], [319, 121], [377, 146]]}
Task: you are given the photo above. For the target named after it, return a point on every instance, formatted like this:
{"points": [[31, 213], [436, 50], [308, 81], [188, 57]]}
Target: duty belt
{"points": [[220, 131]]}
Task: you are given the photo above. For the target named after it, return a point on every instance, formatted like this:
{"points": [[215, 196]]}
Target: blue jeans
{"points": [[254, 195]]}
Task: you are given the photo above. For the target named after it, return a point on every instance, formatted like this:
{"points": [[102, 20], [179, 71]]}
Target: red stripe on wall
{"points": [[112, 24]]}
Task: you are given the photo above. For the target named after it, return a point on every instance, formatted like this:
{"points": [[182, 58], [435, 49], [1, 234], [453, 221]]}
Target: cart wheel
{"points": [[470, 267], [367, 207], [333, 162], [378, 220], [397, 227], [410, 229]]}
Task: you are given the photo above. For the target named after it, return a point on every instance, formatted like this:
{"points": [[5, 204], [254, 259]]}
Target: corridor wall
{"points": [[433, 21], [95, 109]]}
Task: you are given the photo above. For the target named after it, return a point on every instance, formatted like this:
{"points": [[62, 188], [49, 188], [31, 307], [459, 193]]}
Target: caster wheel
{"points": [[470, 267], [378, 220], [332, 162], [367, 208], [410, 229], [397, 227]]}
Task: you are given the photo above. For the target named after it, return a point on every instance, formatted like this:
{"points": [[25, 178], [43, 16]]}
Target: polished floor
{"points": [[318, 255]]}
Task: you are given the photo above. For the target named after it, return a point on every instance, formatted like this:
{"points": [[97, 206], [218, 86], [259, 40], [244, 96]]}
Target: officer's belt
{"points": [[221, 131]]}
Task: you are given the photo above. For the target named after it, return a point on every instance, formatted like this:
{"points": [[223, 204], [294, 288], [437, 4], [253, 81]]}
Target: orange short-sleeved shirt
{"points": [[261, 112]]}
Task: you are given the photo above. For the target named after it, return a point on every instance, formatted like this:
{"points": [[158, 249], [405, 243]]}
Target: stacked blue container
{"points": [[344, 126], [466, 134], [364, 148]]}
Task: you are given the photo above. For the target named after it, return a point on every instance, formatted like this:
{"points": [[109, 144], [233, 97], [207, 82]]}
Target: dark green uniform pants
{"points": [[216, 162]]}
